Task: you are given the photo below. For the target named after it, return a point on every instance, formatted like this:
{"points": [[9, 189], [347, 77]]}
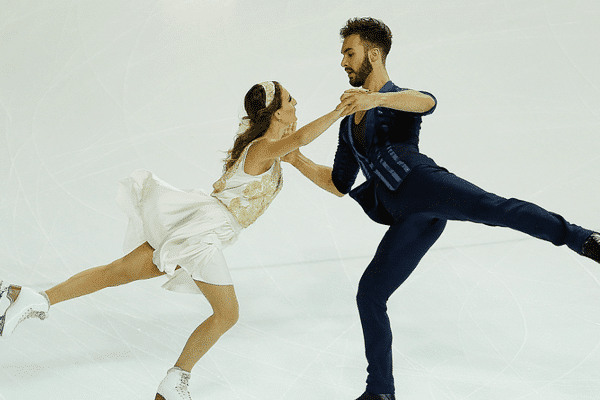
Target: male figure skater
{"points": [[407, 190]]}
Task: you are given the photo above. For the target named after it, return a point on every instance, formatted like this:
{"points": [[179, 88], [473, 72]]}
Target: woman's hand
{"points": [[342, 109]]}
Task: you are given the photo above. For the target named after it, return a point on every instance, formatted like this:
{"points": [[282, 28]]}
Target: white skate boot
{"points": [[174, 386], [28, 304]]}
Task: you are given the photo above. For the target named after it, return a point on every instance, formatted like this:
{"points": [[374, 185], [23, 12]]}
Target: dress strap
{"points": [[219, 185], [242, 159]]}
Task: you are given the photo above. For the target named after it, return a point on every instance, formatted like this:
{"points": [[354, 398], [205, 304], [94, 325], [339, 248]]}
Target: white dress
{"points": [[189, 228]]}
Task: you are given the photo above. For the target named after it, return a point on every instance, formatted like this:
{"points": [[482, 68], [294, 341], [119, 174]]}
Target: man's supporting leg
{"points": [[397, 256]]}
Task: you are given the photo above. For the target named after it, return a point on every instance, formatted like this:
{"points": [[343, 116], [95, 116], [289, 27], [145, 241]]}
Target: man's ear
{"points": [[375, 54]]}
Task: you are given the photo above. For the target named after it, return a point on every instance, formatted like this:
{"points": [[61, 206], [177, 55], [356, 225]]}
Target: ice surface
{"points": [[91, 90]]}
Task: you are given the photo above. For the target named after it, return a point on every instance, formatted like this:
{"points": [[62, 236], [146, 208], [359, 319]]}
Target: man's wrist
{"points": [[378, 99], [294, 158]]}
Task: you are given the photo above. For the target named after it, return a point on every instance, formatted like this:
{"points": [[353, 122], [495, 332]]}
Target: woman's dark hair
{"points": [[259, 117], [370, 30]]}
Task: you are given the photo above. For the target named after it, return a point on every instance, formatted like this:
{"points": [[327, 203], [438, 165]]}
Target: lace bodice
{"points": [[248, 196]]}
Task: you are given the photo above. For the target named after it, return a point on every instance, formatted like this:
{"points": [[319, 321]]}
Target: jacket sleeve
{"points": [[432, 108]]}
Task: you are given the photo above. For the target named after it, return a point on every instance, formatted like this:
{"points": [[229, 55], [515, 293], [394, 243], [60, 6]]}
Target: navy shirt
{"points": [[391, 150]]}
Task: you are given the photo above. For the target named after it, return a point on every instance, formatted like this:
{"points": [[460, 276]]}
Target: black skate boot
{"points": [[591, 247], [370, 396]]}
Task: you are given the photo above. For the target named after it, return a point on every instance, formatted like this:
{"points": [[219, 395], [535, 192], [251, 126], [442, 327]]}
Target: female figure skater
{"points": [[182, 233]]}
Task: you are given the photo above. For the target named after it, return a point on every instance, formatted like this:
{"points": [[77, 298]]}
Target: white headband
{"points": [[270, 91]]}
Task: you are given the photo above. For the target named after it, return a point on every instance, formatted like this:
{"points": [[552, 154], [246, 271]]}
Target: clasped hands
{"points": [[351, 101], [355, 100]]}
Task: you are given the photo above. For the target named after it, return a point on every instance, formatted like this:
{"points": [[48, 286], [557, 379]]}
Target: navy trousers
{"points": [[420, 207]]}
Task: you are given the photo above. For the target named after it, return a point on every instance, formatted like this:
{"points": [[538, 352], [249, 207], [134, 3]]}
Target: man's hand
{"points": [[358, 100], [291, 156]]}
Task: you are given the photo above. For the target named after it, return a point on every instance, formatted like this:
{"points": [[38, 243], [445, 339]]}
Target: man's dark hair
{"points": [[370, 30]]}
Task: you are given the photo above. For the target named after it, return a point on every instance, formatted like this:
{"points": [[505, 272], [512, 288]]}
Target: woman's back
{"points": [[248, 196]]}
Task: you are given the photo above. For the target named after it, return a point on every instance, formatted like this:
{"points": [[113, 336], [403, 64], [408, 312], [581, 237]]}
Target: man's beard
{"points": [[363, 73]]}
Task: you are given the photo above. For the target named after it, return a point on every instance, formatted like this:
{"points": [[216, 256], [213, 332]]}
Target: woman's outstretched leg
{"points": [[224, 303], [18, 304], [137, 265]]}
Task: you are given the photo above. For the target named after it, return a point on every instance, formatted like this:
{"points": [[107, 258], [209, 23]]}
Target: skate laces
{"points": [[182, 385], [185, 378]]}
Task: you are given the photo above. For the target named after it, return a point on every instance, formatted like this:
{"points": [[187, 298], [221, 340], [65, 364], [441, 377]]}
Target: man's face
{"points": [[355, 62]]}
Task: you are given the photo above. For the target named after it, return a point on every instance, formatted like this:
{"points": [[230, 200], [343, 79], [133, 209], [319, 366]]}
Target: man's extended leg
{"points": [[444, 195]]}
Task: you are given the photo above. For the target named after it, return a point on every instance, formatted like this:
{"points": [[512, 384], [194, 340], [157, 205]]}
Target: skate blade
{"points": [[5, 302]]}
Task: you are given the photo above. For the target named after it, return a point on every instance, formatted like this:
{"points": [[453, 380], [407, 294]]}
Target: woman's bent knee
{"points": [[223, 301], [227, 319]]}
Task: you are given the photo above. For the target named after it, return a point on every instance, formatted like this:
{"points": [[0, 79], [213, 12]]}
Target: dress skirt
{"points": [[186, 228]]}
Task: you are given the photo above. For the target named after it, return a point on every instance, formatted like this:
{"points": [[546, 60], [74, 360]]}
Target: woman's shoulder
{"points": [[255, 162]]}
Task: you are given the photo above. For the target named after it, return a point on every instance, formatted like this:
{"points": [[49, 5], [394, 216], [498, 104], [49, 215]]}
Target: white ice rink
{"points": [[92, 90]]}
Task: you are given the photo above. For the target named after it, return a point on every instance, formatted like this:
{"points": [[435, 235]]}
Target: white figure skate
{"points": [[29, 304], [174, 386]]}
